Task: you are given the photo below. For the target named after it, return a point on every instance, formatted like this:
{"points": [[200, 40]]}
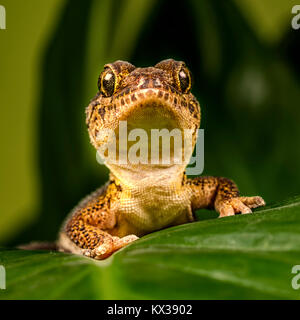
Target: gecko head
{"points": [[149, 98]]}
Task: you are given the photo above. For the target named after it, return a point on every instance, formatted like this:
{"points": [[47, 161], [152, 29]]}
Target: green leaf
{"points": [[240, 257]]}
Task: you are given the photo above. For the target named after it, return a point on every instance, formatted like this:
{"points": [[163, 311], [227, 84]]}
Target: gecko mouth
{"points": [[153, 109], [151, 115], [152, 127]]}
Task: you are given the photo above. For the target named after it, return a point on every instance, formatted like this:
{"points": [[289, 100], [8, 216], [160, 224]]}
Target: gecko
{"points": [[142, 198]]}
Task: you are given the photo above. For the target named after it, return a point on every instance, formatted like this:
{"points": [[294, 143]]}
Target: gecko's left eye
{"points": [[107, 82], [184, 79]]}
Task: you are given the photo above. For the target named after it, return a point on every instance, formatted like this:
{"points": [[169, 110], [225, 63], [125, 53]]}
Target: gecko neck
{"points": [[145, 176]]}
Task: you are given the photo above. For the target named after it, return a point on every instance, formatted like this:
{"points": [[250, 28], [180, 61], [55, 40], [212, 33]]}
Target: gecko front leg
{"points": [[222, 195], [87, 231]]}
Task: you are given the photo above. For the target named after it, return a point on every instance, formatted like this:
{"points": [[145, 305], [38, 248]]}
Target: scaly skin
{"points": [[141, 198]]}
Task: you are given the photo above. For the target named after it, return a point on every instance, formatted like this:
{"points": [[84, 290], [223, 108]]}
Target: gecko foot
{"points": [[242, 205], [109, 246]]}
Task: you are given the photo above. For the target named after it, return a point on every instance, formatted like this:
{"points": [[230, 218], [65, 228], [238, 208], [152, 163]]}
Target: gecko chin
{"points": [[152, 130]]}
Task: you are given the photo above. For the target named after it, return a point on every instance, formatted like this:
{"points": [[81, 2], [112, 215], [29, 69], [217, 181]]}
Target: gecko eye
{"points": [[107, 82], [184, 79]]}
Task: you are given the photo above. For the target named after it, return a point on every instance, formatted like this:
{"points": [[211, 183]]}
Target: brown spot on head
{"points": [[191, 108], [101, 112]]}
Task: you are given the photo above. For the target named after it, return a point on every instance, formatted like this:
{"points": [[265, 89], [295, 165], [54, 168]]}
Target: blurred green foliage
{"points": [[29, 25], [248, 89]]}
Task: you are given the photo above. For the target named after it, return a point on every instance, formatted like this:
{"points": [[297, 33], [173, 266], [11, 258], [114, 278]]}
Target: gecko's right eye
{"points": [[184, 79], [107, 82]]}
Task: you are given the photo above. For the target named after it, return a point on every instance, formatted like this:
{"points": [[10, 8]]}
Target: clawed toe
{"points": [[240, 205], [108, 247], [121, 242], [253, 202]]}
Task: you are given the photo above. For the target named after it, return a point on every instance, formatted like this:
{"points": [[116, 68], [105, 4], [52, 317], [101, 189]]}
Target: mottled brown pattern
{"points": [[206, 190]]}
